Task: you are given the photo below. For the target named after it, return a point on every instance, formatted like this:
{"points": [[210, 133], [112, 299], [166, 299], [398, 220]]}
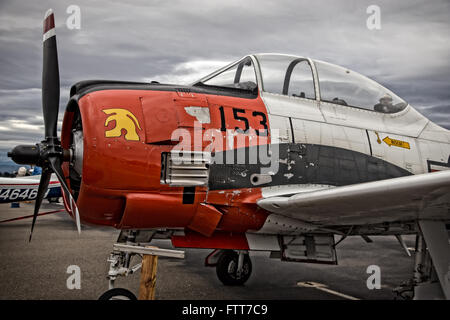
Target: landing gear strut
{"points": [[120, 258], [234, 268], [431, 272]]}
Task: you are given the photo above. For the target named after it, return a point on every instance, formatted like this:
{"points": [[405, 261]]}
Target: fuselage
{"points": [[129, 129]]}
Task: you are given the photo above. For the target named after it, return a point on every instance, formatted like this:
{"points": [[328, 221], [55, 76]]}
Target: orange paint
{"points": [[121, 176]]}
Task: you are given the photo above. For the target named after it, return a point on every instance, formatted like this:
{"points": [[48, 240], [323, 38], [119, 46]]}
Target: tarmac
{"points": [[38, 269]]}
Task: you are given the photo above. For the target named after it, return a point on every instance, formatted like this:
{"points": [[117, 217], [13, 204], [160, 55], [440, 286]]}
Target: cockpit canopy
{"points": [[240, 75], [304, 78]]}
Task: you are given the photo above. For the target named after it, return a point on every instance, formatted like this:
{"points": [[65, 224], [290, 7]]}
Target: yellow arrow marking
{"points": [[378, 138], [396, 143]]}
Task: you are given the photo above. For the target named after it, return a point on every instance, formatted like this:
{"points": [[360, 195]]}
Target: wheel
{"points": [[226, 269], [118, 294]]}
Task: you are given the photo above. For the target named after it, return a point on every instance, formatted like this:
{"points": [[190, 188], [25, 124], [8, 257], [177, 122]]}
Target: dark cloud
{"points": [[178, 40]]}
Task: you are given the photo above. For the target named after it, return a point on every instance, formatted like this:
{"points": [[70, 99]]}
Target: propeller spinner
{"points": [[48, 154]]}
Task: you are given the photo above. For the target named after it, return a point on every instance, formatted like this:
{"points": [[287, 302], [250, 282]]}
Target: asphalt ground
{"points": [[38, 270]]}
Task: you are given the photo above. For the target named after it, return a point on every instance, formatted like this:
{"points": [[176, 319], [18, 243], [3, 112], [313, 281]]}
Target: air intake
{"points": [[185, 169]]}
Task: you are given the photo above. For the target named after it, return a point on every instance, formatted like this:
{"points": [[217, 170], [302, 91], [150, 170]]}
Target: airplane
{"points": [[273, 152], [25, 188]]}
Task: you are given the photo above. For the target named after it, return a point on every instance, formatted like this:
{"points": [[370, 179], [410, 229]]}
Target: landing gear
{"points": [[234, 268], [53, 200], [134, 243], [432, 261], [118, 294], [120, 266]]}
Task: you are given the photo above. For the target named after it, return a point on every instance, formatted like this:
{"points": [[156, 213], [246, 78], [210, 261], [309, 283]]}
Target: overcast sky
{"points": [[179, 41]]}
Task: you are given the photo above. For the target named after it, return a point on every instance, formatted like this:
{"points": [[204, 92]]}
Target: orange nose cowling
{"points": [[121, 172]]}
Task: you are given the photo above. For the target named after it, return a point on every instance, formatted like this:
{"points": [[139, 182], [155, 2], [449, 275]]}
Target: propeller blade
{"points": [[55, 164], [43, 186], [50, 76], [48, 154]]}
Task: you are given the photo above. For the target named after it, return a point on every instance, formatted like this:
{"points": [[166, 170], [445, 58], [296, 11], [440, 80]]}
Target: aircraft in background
{"points": [[276, 153], [25, 188]]}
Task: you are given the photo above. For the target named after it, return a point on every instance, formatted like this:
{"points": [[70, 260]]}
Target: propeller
{"points": [[48, 154]]}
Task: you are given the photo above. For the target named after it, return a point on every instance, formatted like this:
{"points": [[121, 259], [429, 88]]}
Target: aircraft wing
{"points": [[423, 196]]}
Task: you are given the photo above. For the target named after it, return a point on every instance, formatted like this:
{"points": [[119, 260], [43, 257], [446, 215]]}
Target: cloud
{"points": [[188, 72]]}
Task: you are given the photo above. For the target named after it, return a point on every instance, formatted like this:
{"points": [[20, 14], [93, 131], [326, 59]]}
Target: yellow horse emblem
{"points": [[124, 120]]}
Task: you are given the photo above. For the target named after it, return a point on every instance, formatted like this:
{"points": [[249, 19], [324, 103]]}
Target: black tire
{"points": [[226, 269], [118, 294]]}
